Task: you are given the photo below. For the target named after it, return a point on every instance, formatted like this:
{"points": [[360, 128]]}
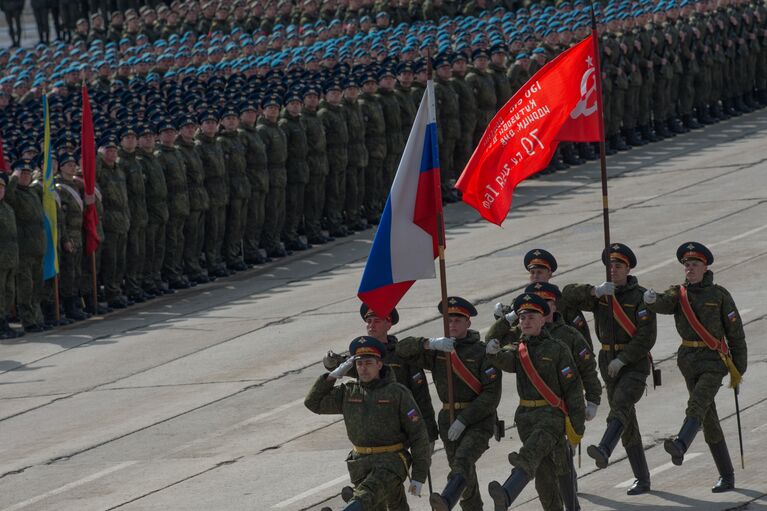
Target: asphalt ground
{"points": [[195, 401]]}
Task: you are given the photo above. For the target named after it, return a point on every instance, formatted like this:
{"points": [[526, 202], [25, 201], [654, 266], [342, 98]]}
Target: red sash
{"points": [[545, 391], [464, 374], [622, 318], [718, 345]]}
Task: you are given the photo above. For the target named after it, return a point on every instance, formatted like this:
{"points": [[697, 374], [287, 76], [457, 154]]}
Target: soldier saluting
{"points": [[382, 421], [477, 392], [713, 344], [624, 360], [550, 400]]}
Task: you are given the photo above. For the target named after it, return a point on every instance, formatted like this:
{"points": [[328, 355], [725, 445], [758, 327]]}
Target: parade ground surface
{"points": [[195, 401]]}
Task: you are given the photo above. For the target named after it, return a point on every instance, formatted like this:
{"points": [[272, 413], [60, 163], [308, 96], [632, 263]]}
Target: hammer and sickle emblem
{"points": [[587, 90]]}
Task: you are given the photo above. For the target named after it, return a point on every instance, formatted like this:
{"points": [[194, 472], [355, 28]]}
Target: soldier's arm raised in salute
{"points": [[325, 398]]}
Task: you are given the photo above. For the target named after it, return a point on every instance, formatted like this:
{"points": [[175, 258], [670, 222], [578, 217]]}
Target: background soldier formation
{"points": [[556, 381], [233, 132]]}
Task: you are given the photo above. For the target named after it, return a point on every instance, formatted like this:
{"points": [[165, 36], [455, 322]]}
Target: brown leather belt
{"points": [[694, 344], [533, 403], [616, 347], [457, 406], [380, 449]]}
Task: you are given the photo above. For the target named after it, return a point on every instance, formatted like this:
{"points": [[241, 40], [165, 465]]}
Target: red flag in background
{"points": [[523, 135], [3, 163], [88, 162]]}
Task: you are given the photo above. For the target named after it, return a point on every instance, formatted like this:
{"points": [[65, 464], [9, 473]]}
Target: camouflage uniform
{"points": [[297, 166], [337, 137], [212, 156], [172, 164], [448, 129], [117, 219], [199, 204], [276, 147], [393, 133], [467, 107], [9, 261], [477, 412], [239, 194], [70, 263], [377, 477], [136, 240], [357, 162], [157, 219], [317, 158], [258, 175], [484, 93]]}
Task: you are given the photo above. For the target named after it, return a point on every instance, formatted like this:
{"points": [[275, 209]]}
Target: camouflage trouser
{"points": [[616, 115], [355, 179], [703, 385], [463, 149], [542, 432], [631, 109], [135, 251], [173, 257], [462, 456], [687, 93], [86, 278], [446, 167], [294, 210], [7, 280], [29, 288], [155, 255], [255, 223], [314, 201], [193, 242], [237, 210], [674, 88], [622, 394], [659, 102], [335, 186], [113, 263], [215, 226], [274, 218], [381, 489], [70, 271], [645, 103], [547, 477]]}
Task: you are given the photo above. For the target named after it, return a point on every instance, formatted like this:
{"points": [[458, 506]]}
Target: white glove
{"points": [[650, 296], [493, 347], [340, 371], [591, 410], [511, 317], [415, 488], [455, 431], [605, 288], [498, 311], [614, 367], [446, 344]]}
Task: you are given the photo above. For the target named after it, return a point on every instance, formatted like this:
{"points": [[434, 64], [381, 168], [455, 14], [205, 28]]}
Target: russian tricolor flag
{"points": [[406, 241]]}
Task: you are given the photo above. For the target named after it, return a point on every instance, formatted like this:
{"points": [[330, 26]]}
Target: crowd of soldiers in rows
{"points": [[544, 339], [220, 151]]}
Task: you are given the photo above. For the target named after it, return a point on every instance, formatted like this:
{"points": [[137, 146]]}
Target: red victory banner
{"points": [[558, 103]]}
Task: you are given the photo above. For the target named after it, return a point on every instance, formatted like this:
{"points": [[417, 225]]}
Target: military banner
{"points": [[51, 259], [523, 135], [88, 165]]}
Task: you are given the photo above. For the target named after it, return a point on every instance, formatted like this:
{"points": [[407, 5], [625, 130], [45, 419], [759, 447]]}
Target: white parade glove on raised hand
{"points": [[498, 311], [650, 296], [605, 288], [446, 344], [511, 318], [493, 347], [591, 410], [456, 430], [614, 367], [340, 371], [415, 488]]}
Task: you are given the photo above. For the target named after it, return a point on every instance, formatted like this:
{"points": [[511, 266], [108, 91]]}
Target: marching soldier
{"points": [[477, 392], [627, 334], [713, 344], [9, 261], [71, 255], [550, 407], [383, 423], [506, 331]]}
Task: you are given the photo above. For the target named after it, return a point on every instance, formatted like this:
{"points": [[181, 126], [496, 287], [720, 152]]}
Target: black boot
{"points": [[661, 130], [726, 481], [450, 495], [354, 505], [568, 491], [609, 149], [504, 494], [602, 452], [586, 152], [648, 133], [691, 122], [6, 332], [678, 446], [634, 138], [72, 309], [618, 143], [639, 468]]}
